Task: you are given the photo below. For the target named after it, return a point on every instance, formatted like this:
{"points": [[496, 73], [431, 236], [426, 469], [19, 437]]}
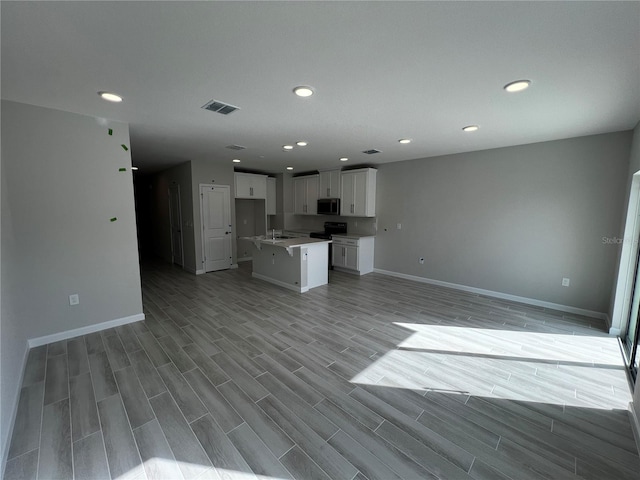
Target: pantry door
{"points": [[215, 214]]}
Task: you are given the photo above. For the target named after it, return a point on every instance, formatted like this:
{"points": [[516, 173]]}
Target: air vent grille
{"points": [[220, 107], [235, 147], [371, 151]]}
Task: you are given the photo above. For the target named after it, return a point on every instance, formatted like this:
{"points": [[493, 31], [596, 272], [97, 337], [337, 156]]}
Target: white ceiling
{"points": [[381, 70]]}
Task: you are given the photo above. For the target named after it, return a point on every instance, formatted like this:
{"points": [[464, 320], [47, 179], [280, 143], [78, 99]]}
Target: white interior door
{"points": [[215, 208], [175, 222]]}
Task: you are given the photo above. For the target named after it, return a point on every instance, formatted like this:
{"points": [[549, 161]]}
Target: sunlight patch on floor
{"points": [[158, 467], [556, 369]]}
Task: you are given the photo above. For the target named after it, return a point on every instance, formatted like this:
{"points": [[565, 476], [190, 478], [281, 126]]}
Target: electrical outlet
{"points": [[566, 281], [399, 226], [421, 260], [74, 299]]}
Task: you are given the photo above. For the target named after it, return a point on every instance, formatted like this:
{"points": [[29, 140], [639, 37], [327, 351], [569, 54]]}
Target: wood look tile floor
{"points": [[366, 378]]}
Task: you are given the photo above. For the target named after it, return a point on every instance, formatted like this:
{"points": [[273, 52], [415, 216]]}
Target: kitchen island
{"points": [[298, 264]]}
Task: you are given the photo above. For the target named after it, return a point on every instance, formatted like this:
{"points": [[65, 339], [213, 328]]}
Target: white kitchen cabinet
{"points": [[305, 196], [250, 185], [352, 254], [271, 196], [329, 184], [358, 198]]}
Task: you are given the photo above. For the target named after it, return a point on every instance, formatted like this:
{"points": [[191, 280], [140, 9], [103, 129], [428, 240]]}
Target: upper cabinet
{"points": [[249, 185], [271, 196], [329, 184], [358, 198], [305, 197]]}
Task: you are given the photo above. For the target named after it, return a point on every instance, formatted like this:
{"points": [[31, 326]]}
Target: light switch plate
{"points": [[74, 299]]}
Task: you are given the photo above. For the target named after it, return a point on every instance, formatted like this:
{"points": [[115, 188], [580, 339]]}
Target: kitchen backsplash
{"points": [[360, 225]]}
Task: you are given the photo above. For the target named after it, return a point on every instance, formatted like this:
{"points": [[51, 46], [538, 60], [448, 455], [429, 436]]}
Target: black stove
{"points": [[330, 228]]}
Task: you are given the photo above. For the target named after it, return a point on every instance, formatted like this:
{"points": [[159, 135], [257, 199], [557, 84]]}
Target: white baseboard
{"points": [[56, 337], [200, 272], [279, 283], [491, 293], [635, 425], [245, 259], [6, 442]]}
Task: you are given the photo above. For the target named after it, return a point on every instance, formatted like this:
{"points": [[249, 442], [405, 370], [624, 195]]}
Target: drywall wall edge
{"points": [[635, 425], [503, 296], [7, 441], [56, 337]]}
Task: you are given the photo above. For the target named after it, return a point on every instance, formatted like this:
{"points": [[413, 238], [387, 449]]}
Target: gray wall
{"points": [[204, 171], [178, 175], [61, 187], [13, 334], [513, 220]]}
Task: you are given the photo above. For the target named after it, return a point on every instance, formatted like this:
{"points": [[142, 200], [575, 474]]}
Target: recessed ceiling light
{"points": [[517, 86], [289, 168], [288, 147], [134, 168], [303, 91], [344, 159], [301, 143], [405, 140], [110, 97], [470, 128], [236, 160]]}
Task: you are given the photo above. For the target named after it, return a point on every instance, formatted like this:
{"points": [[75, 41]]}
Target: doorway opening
{"points": [[175, 225], [625, 320]]}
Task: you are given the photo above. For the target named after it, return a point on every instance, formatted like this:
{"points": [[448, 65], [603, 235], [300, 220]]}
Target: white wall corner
{"points": [[6, 442], [200, 272], [76, 332], [615, 332], [635, 425], [500, 295]]}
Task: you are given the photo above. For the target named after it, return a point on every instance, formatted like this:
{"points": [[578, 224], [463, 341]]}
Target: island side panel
{"points": [[317, 264], [273, 263]]}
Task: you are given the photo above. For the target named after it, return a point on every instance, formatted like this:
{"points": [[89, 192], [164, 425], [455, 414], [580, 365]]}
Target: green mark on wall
{"points": [[126, 149], [111, 131], [122, 169], [113, 219]]}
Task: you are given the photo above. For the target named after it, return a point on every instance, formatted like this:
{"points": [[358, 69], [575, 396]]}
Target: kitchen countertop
{"points": [[286, 243], [289, 242], [352, 235]]}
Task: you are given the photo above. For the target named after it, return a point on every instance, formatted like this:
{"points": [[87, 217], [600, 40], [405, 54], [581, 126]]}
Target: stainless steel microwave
{"points": [[329, 206]]}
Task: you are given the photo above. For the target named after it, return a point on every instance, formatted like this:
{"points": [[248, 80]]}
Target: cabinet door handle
{"points": [[352, 208], [328, 192], [251, 191]]}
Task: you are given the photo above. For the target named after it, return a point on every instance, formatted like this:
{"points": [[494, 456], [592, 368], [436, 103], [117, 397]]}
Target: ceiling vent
{"points": [[219, 107], [235, 147], [371, 152]]}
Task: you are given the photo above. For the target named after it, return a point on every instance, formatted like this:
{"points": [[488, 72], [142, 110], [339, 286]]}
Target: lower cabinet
{"points": [[353, 255]]}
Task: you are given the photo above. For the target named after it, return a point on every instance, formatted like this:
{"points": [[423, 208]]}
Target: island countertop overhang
{"points": [[286, 243]]}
